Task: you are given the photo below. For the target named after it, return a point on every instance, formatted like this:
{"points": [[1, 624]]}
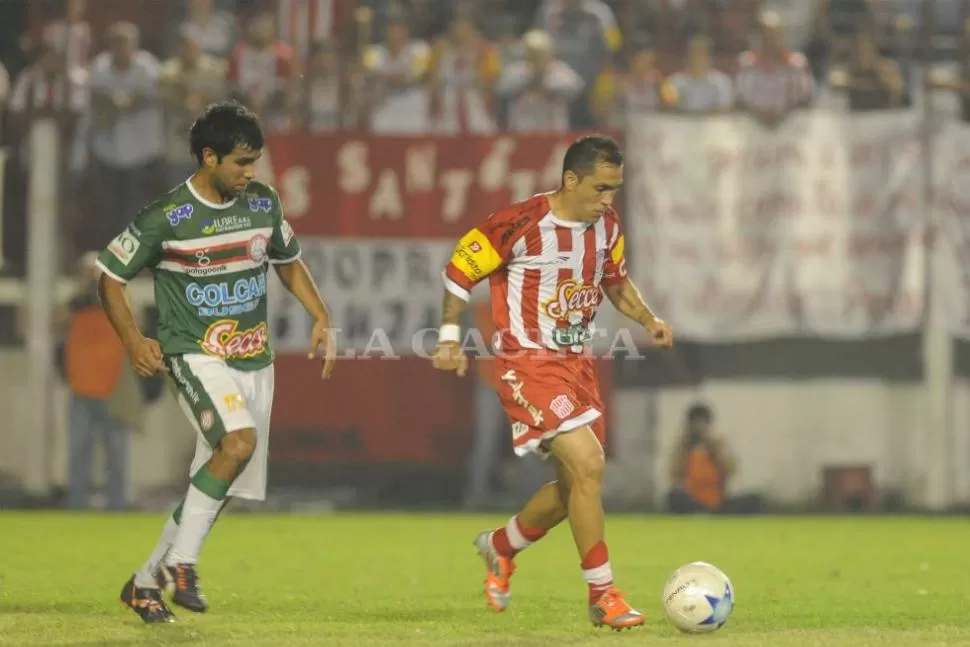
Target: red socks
{"points": [[597, 571], [513, 538]]}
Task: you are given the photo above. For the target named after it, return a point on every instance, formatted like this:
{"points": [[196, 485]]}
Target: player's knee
{"points": [[586, 469], [238, 446]]}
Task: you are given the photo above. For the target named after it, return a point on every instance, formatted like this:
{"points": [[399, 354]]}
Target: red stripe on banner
{"points": [[379, 186]]}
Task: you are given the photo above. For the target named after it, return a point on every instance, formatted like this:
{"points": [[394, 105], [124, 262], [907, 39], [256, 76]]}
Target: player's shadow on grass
{"points": [[164, 634]]}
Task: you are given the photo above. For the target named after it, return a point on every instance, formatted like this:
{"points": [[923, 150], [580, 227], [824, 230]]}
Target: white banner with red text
{"points": [[817, 228], [951, 210], [378, 219]]}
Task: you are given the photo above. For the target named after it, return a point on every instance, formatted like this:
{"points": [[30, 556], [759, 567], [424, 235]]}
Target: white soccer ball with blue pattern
{"points": [[698, 598]]}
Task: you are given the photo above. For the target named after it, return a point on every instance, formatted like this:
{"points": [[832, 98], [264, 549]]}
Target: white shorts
{"points": [[218, 399]]}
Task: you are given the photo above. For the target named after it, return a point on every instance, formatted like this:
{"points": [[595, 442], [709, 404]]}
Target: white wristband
{"points": [[449, 333]]}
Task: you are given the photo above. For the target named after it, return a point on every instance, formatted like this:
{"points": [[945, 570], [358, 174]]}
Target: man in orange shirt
{"points": [[94, 359], [700, 469]]}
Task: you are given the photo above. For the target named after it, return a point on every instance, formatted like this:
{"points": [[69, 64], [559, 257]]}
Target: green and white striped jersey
{"points": [[209, 263]]}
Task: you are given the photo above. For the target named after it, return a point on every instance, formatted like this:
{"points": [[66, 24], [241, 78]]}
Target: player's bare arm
{"points": [[145, 353], [448, 355], [626, 298], [476, 256], [296, 277]]}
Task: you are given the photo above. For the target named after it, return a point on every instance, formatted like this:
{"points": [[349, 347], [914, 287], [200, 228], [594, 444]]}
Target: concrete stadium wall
{"points": [[783, 435]]}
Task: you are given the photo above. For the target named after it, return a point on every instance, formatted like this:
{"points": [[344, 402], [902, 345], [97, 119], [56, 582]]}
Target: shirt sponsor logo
{"points": [[225, 299], [572, 296], [124, 247], [177, 214], [260, 204], [225, 224], [224, 340]]}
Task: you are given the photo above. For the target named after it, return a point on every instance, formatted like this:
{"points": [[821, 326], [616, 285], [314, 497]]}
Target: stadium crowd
{"points": [[125, 79]]}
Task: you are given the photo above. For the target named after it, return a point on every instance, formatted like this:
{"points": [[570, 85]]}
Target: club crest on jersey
{"points": [[177, 214], [224, 340], [257, 248], [260, 204], [572, 296]]}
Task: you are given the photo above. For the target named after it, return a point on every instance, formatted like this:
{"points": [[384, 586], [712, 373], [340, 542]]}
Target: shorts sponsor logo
{"points": [[561, 406], [516, 385], [225, 224], [519, 429], [206, 419], [225, 299], [187, 389], [260, 204], [124, 246], [177, 214], [224, 340], [257, 248], [234, 402]]}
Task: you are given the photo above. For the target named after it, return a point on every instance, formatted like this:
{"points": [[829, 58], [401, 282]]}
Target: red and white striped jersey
{"points": [[73, 40], [544, 274], [303, 22]]}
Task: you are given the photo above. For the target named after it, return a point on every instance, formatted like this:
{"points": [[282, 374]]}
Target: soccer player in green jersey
{"points": [[208, 243]]}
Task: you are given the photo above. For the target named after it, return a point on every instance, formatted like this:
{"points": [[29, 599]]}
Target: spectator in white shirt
{"points": [[214, 28], [539, 88], [188, 82], [701, 89], [126, 137], [398, 72], [772, 80]]}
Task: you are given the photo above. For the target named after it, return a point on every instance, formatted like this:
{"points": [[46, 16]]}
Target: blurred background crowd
{"points": [[126, 78]]}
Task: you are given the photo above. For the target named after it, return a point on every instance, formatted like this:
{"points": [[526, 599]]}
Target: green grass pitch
{"points": [[407, 580]]}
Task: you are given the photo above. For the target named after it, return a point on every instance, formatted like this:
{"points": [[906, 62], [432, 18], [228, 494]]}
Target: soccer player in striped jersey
{"points": [[209, 243], [549, 261]]}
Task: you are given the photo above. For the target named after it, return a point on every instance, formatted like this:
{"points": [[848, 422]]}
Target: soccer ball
{"points": [[698, 598]]}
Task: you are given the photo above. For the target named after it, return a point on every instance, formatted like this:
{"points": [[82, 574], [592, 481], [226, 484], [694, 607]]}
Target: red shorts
{"points": [[547, 396]]}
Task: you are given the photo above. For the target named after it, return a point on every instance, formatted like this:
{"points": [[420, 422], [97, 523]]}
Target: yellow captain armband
{"points": [[475, 256], [616, 254]]}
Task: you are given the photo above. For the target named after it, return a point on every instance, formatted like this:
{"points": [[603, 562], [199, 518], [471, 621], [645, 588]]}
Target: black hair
{"points": [[222, 127], [699, 412], [585, 153]]}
